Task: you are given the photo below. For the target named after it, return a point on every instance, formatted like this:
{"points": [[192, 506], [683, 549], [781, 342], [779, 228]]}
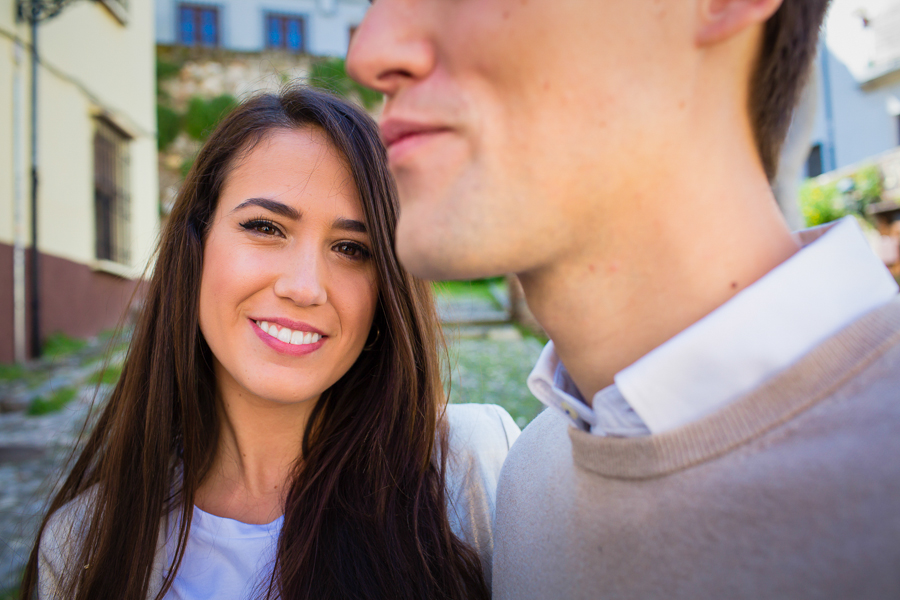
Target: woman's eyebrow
{"points": [[349, 225], [279, 208]]}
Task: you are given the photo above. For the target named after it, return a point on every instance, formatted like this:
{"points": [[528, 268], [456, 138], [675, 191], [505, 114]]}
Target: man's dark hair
{"points": [[788, 48]]}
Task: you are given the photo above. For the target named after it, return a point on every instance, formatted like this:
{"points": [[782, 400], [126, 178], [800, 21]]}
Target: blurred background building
{"points": [[858, 85], [842, 153], [97, 202]]}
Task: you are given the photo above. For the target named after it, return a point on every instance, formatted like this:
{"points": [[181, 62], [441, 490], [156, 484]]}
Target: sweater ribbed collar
{"points": [[800, 387]]}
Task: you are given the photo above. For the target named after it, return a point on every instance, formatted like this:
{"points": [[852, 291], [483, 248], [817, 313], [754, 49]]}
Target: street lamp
{"points": [[35, 11]]}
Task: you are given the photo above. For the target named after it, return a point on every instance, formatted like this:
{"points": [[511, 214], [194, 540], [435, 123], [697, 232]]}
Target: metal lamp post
{"points": [[35, 11]]}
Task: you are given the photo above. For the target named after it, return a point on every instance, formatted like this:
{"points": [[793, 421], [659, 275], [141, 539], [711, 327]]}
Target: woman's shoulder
{"points": [[479, 439], [480, 436], [481, 429], [60, 542]]}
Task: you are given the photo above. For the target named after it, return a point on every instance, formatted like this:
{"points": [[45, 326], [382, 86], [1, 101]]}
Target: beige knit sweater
{"points": [[792, 491]]}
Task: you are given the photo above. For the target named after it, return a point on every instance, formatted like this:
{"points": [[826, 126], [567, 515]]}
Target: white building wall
{"points": [[91, 66], [864, 118], [859, 46]]}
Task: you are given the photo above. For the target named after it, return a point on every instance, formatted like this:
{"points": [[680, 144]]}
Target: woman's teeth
{"points": [[297, 338]]}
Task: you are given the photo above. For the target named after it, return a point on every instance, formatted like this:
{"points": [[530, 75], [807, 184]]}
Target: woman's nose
{"points": [[303, 280], [391, 48]]}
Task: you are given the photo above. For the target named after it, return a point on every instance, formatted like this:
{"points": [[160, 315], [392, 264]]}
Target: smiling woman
{"points": [[280, 428]]}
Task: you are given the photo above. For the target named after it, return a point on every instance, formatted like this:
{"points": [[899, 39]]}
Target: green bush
{"points": [[56, 401], [186, 165], [167, 126], [11, 372], [10, 594], [202, 116], [824, 202], [165, 69], [869, 186], [59, 344], [107, 375]]}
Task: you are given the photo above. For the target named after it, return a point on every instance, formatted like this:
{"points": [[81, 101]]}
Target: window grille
{"points": [[112, 201], [285, 32], [198, 25]]}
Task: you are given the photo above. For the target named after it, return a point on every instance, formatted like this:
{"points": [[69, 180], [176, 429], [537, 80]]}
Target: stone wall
{"points": [[207, 73]]}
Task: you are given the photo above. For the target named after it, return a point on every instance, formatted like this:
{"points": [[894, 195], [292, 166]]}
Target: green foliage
{"points": [[494, 372], [165, 69], [869, 186], [186, 166], [464, 289], [167, 126], [108, 375], [202, 116], [11, 372], [824, 202], [56, 401], [10, 594], [820, 203], [331, 75], [58, 345]]}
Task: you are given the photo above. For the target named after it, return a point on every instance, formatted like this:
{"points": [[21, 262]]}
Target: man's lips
{"points": [[395, 130]]}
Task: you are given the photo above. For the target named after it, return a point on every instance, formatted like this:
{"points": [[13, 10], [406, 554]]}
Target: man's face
{"points": [[514, 127]]}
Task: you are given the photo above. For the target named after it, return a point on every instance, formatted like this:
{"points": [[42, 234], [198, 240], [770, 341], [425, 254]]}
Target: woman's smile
{"points": [[297, 340]]}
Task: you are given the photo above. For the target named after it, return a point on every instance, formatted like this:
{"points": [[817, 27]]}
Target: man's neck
{"points": [[644, 276]]}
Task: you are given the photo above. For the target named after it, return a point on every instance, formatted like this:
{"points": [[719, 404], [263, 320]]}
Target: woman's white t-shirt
{"points": [[223, 558]]}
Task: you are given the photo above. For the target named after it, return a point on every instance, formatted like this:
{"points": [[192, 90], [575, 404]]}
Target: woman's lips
{"points": [[288, 340]]}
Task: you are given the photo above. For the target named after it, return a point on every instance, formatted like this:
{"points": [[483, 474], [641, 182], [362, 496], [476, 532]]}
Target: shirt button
{"points": [[567, 408]]}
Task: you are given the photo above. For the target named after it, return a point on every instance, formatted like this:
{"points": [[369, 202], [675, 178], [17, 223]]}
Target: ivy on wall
{"points": [[199, 118], [202, 115]]}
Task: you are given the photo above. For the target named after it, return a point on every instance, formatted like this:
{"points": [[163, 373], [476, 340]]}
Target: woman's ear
{"points": [[718, 20]]}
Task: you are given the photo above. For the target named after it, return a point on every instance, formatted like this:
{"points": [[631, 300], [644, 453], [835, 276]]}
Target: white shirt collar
{"points": [[764, 329]]}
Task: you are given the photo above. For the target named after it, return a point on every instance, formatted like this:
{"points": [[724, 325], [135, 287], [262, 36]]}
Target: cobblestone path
{"points": [[33, 451]]}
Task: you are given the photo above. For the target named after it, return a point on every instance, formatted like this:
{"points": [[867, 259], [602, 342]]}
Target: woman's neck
{"points": [[259, 444]]}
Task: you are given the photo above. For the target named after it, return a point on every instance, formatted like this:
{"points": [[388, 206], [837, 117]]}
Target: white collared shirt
{"points": [[829, 283]]}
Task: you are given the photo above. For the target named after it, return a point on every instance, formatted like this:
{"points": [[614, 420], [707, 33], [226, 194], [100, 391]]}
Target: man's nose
{"points": [[391, 47]]}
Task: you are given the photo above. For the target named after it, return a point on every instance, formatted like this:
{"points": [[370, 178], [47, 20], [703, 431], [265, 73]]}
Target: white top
{"points": [[227, 559], [832, 281], [224, 558]]}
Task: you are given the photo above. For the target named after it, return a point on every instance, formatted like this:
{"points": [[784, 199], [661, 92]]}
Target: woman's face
{"points": [[288, 290]]}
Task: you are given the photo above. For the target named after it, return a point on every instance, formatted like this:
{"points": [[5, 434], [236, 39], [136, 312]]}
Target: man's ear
{"points": [[721, 19]]}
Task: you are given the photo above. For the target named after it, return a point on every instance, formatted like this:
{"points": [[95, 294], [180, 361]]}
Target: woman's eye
{"points": [[352, 250], [263, 226]]}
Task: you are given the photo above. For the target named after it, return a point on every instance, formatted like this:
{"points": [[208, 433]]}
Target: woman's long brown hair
{"points": [[365, 516]]}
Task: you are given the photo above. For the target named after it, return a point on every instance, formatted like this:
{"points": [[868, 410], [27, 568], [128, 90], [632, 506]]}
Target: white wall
{"points": [[864, 119], [863, 84], [92, 65]]}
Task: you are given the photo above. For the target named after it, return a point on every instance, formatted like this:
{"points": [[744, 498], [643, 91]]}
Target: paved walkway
{"points": [[34, 450]]}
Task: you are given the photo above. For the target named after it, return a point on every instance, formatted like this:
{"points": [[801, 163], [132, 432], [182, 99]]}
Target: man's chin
{"points": [[437, 259]]}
